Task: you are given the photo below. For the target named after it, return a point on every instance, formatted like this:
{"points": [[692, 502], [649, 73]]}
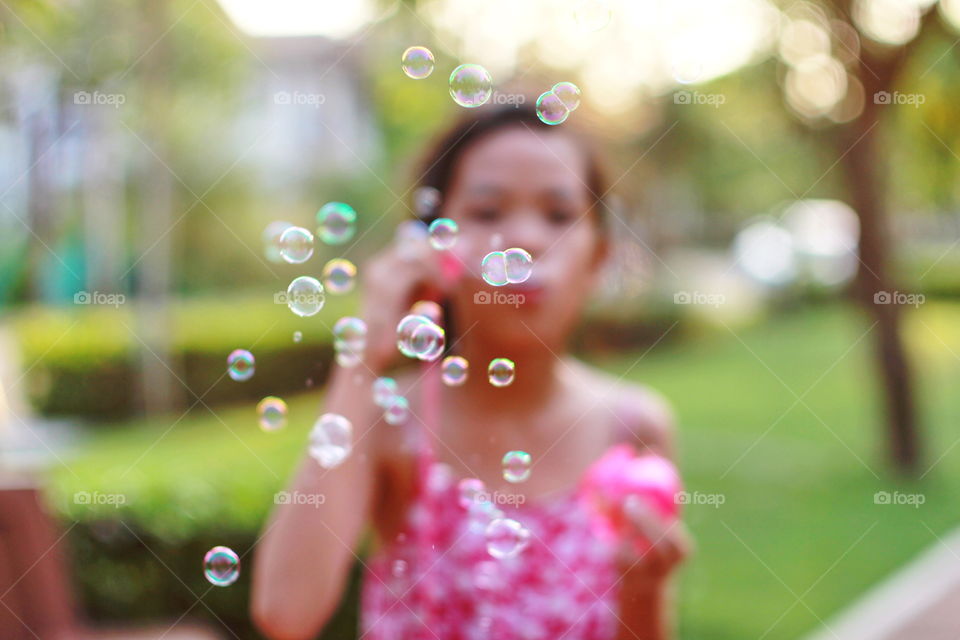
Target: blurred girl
{"points": [[508, 181]]}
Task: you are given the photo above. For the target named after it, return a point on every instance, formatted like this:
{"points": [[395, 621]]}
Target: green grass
{"points": [[798, 537]]}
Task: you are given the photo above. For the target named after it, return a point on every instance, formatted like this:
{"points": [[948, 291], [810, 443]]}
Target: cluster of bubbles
{"points": [[512, 266], [331, 440], [420, 337], [417, 62], [454, 370], [516, 466], [470, 85], [349, 340], [442, 233], [339, 276], [555, 105], [272, 413], [240, 365], [506, 538], [305, 296], [221, 566], [501, 372], [336, 223], [386, 395]]}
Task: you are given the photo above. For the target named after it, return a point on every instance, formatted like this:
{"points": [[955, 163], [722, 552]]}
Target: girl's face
{"points": [[521, 188]]}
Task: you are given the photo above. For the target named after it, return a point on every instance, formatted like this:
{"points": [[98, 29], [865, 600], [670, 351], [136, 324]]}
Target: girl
{"points": [[508, 181]]}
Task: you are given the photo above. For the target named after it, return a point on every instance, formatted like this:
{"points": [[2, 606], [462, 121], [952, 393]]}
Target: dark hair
{"points": [[439, 163]]}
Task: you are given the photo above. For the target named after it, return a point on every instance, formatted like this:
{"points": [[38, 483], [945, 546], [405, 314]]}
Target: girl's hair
{"points": [[439, 163]]}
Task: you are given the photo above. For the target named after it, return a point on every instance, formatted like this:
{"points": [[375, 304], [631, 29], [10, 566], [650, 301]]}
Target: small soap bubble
{"points": [[470, 85], [518, 265], [240, 365], [516, 466], [339, 276], [506, 538], [296, 245], [397, 410], [336, 222], [272, 412], [454, 370], [568, 93], [493, 268], [221, 566], [550, 108], [417, 62], [331, 440], [443, 233], [426, 201], [501, 372], [384, 389], [297, 336], [305, 296]]}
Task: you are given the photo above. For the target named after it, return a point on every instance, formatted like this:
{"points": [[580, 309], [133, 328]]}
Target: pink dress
{"points": [[439, 582]]}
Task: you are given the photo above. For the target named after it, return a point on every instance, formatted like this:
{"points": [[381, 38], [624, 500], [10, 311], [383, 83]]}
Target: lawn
{"points": [[781, 420]]}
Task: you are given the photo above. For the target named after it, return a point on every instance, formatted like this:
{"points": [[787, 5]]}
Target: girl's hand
{"points": [[669, 544], [392, 280]]}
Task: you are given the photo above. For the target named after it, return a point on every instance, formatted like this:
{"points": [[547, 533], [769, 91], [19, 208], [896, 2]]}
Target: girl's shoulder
{"points": [[640, 415]]}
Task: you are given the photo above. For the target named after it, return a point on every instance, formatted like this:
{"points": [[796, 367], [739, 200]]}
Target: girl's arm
{"points": [[307, 548]]}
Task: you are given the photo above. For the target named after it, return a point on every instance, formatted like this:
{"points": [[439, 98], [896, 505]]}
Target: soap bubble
{"points": [[240, 365], [419, 337], [297, 336], [339, 276], [468, 491], [336, 222], [397, 410], [506, 538], [470, 85], [519, 265], [568, 93], [221, 566], [331, 440], [417, 62], [384, 389], [296, 245], [272, 412], [305, 296], [454, 370], [551, 109], [349, 340], [493, 268], [501, 372], [443, 233], [592, 15], [516, 466], [426, 201]]}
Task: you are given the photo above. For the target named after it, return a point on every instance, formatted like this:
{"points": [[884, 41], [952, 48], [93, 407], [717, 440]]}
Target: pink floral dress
{"points": [[438, 581]]}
